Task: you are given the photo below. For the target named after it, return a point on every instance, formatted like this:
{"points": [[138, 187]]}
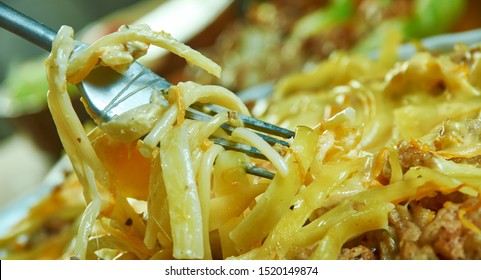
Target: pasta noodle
{"points": [[375, 140]]}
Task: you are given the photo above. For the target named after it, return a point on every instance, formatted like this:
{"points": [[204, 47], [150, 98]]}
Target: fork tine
{"points": [[227, 144], [239, 147], [231, 145], [249, 122], [199, 115], [261, 172], [248, 150]]}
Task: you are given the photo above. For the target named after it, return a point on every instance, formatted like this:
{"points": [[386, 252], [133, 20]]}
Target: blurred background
{"points": [[24, 161], [255, 41]]}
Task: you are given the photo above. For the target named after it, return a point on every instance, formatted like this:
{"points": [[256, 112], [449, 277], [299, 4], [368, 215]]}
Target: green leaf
{"points": [[434, 16], [336, 12]]}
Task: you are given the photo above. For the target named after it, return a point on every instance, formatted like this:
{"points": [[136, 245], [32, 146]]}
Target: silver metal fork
{"points": [[109, 94]]}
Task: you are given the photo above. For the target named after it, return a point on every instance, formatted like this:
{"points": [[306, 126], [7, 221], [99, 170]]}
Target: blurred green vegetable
{"points": [[26, 88], [429, 17], [336, 12], [373, 40], [433, 17]]}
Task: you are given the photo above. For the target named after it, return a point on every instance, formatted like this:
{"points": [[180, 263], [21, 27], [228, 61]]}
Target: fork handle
{"points": [[26, 27]]}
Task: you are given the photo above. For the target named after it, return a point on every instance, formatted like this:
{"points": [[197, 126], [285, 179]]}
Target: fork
{"points": [[109, 93]]}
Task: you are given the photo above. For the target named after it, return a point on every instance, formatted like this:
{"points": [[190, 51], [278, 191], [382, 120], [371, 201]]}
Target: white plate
{"points": [[17, 209]]}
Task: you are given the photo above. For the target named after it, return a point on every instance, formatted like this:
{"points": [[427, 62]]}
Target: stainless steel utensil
{"points": [[109, 93]]}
